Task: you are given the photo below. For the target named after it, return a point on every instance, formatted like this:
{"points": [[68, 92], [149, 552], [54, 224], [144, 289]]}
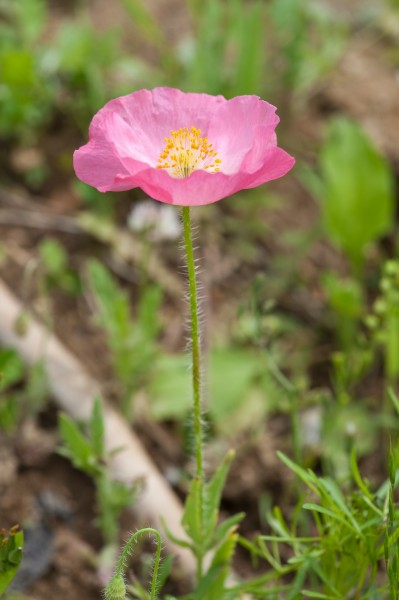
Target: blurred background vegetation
{"points": [[301, 276]]}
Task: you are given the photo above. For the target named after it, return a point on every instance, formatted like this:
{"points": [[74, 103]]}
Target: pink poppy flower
{"points": [[182, 148]]}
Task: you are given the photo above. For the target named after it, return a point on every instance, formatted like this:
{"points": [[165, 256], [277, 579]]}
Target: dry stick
{"points": [[35, 219], [74, 391]]}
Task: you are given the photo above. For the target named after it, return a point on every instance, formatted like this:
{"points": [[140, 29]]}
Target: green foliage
{"points": [[230, 37], [132, 343], [55, 264], [75, 73], [23, 392], [345, 426], [358, 198], [138, 590], [310, 41], [226, 53], [248, 28], [116, 590], [87, 452], [346, 298], [207, 534], [93, 68], [11, 368], [212, 585], [239, 386], [241, 391], [234, 38], [79, 69], [383, 322], [354, 533], [77, 447], [11, 554], [143, 19], [25, 96]]}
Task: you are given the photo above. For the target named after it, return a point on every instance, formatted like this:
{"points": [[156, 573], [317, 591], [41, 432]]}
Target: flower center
{"points": [[186, 151]]}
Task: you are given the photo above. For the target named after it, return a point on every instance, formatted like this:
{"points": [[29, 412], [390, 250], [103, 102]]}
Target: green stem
{"points": [[196, 366], [127, 551]]}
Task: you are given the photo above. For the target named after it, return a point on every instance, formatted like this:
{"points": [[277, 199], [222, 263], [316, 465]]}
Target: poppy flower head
{"points": [[182, 148]]}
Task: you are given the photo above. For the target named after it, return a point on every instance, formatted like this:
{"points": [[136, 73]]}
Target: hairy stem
{"points": [[196, 366], [127, 551]]}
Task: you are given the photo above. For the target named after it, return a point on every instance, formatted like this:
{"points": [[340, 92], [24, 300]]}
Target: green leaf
{"points": [[112, 497], [53, 256], [148, 310], [357, 477], [327, 512], [10, 412], [311, 594], [344, 295], [212, 496], [299, 580], [211, 586], [238, 381], [359, 197], [174, 539], [394, 399], [37, 388], [307, 477], [77, 448], [251, 49], [32, 18], [315, 566], [209, 47], [333, 493], [225, 526], [277, 523], [11, 554], [191, 517], [170, 388], [79, 51], [112, 301], [241, 392], [165, 569], [17, 69], [11, 368]]}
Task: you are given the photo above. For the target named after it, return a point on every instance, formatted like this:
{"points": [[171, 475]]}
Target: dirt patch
{"points": [[365, 86], [55, 505]]}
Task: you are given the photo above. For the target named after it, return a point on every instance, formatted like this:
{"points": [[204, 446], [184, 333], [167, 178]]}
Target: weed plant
{"points": [[23, 392], [132, 343], [87, 453]]}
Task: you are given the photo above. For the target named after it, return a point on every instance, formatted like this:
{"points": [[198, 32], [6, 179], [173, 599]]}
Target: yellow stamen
{"points": [[186, 151]]}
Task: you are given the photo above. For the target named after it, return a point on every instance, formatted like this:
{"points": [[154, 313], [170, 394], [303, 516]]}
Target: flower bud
{"points": [[116, 589]]}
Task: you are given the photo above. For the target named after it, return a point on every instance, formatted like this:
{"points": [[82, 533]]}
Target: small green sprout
{"points": [[11, 553]]}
